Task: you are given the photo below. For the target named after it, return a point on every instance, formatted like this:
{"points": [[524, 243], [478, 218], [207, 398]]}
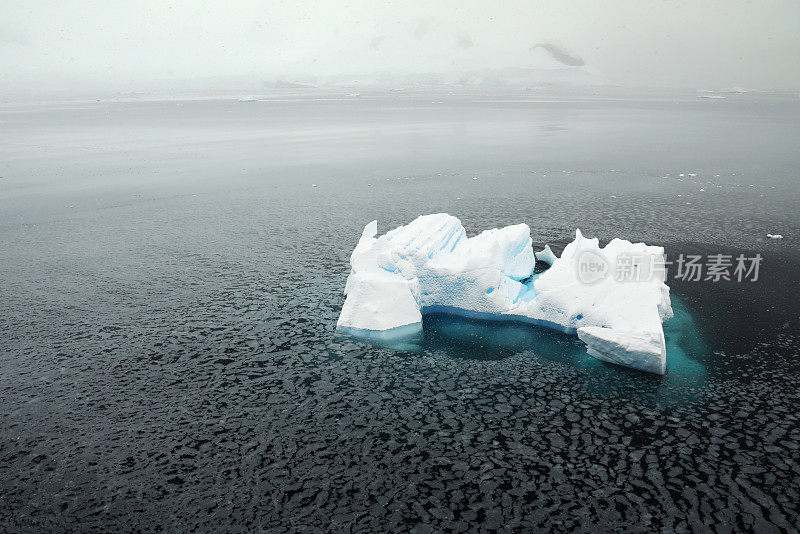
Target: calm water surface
{"points": [[171, 280]]}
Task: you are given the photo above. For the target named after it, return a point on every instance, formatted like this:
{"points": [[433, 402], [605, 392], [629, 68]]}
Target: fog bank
{"points": [[115, 44]]}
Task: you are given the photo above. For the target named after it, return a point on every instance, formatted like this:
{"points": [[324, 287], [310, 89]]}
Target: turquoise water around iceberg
{"points": [[465, 337], [476, 339]]}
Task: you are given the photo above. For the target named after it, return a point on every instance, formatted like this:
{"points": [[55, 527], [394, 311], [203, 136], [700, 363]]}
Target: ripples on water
{"points": [[459, 337], [171, 283]]}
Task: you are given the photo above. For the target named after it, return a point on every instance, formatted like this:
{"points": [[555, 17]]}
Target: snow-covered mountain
{"points": [[430, 53]]}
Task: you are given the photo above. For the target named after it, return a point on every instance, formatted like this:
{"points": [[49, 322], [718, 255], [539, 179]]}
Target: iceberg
{"points": [[546, 255], [431, 265]]}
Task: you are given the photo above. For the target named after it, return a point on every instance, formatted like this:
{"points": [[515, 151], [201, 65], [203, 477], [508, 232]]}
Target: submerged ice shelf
{"points": [[431, 265]]}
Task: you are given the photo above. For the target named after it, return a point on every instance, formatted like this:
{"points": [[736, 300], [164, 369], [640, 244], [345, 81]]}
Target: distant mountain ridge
{"points": [[545, 65], [432, 52]]}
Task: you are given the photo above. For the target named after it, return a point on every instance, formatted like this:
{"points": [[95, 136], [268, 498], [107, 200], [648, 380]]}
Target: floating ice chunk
{"points": [[546, 255], [371, 294], [775, 236], [580, 291], [430, 264], [643, 352], [371, 229]]}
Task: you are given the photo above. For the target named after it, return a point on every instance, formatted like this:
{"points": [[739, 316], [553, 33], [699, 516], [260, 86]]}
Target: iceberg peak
{"points": [[546, 255], [371, 229]]}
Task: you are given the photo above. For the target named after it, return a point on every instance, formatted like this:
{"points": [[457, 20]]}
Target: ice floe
{"points": [[431, 265]]}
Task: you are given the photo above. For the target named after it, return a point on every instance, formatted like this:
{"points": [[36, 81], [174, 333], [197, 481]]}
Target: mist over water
{"points": [[172, 279], [178, 47]]}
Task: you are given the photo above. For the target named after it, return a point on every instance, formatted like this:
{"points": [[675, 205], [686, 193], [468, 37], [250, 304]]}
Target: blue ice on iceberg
{"points": [[431, 265]]}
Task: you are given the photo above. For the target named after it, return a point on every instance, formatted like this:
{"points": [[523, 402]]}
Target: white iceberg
{"points": [[546, 255], [431, 265]]}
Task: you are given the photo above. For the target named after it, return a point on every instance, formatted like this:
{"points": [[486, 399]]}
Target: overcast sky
{"points": [[701, 44]]}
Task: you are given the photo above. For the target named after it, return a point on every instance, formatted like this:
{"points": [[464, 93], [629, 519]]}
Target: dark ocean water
{"points": [[170, 282]]}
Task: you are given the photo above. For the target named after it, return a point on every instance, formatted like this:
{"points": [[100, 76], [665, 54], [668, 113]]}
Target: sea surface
{"points": [[171, 272]]}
